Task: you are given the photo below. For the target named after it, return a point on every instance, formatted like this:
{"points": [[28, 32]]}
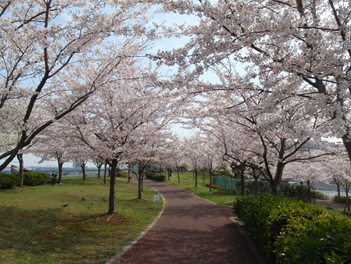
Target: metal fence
{"points": [[226, 183]]}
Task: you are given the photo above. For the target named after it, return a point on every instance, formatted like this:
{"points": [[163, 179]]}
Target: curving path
{"points": [[191, 230]]}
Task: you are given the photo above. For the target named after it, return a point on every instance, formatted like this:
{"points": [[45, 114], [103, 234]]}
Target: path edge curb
{"points": [[143, 233], [257, 256]]}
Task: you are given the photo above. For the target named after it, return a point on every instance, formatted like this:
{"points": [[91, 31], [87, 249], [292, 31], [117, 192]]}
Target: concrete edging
{"points": [[135, 240], [259, 259]]}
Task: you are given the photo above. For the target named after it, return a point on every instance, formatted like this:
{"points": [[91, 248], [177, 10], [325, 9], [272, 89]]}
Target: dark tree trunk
{"points": [[105, 172], [242, 177], [204, 179], [60, 166], [129, 170], [140, 183], [178, 176], [83, 171], [196, 178], [99, 170], [347, 143], [111, 206], [210, 181], [274, 183], [21, 169]]}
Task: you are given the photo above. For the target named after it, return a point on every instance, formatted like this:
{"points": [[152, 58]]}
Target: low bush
{"points": [[341, 199], [32, 178], [319, 195], [266, 216], [325, 239], [155, 176], [298, 192], [7, 181], [122, 174]]}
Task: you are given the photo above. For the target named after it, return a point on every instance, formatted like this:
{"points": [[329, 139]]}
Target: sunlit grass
{"points": [[187, 182], [36, 228]]}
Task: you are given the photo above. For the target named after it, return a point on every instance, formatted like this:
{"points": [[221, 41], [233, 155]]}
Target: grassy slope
{"points": [[220, 197], [36, 228]]}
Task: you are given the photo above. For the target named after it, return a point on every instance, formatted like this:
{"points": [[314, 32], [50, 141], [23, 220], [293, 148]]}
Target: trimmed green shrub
{"points": [[32, 178], [325, 239], [266, 216], [155, 176], [7, 181], [298, 192], [250, 186], [122, 174], [342, 199], [319, 195]]}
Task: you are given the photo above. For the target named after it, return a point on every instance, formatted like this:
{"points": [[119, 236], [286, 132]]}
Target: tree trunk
{"points": [[178, 176], [129, 170], [196, 178], [347, 143], [99, 171], [60, 166], [111, 206], [210, 181], [242, 177], [21, 169], [140, 184], [309, 198], [204, 179], [338, 189], [274, 184], [105, 172], [83, 171]]}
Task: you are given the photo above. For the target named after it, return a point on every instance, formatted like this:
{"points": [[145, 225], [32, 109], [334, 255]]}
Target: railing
{"points": [[226, 183]]}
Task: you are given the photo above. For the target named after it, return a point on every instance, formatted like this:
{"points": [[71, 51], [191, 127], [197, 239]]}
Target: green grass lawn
{"points": [[36, 228], [187, 182]]}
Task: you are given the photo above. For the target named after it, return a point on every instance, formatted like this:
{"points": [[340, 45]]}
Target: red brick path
{"points": [[191, 230]]}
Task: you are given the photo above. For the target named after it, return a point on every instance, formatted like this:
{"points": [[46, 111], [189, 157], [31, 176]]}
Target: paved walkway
{"points": [[330, 204], [191, 230]]}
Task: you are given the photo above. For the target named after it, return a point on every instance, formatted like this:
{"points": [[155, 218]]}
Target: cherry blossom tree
{"points": [[122, 117], [340, 168], [303, 42], [308, 172], [55, 54], [247, 130], [193, 155]]}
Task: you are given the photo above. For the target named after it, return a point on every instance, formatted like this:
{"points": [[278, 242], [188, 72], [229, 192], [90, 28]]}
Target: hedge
{"points": [[7, 181], [33, 178], [283, 228], [155, 176], [326, 239]]}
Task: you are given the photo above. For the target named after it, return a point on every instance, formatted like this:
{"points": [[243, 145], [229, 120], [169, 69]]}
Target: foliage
{"points": [[32, 178], [7, 181], [122, 174], [325, 239], [265, 216], [155, 176], [319, 195], [298, 192], [341, 199]]}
